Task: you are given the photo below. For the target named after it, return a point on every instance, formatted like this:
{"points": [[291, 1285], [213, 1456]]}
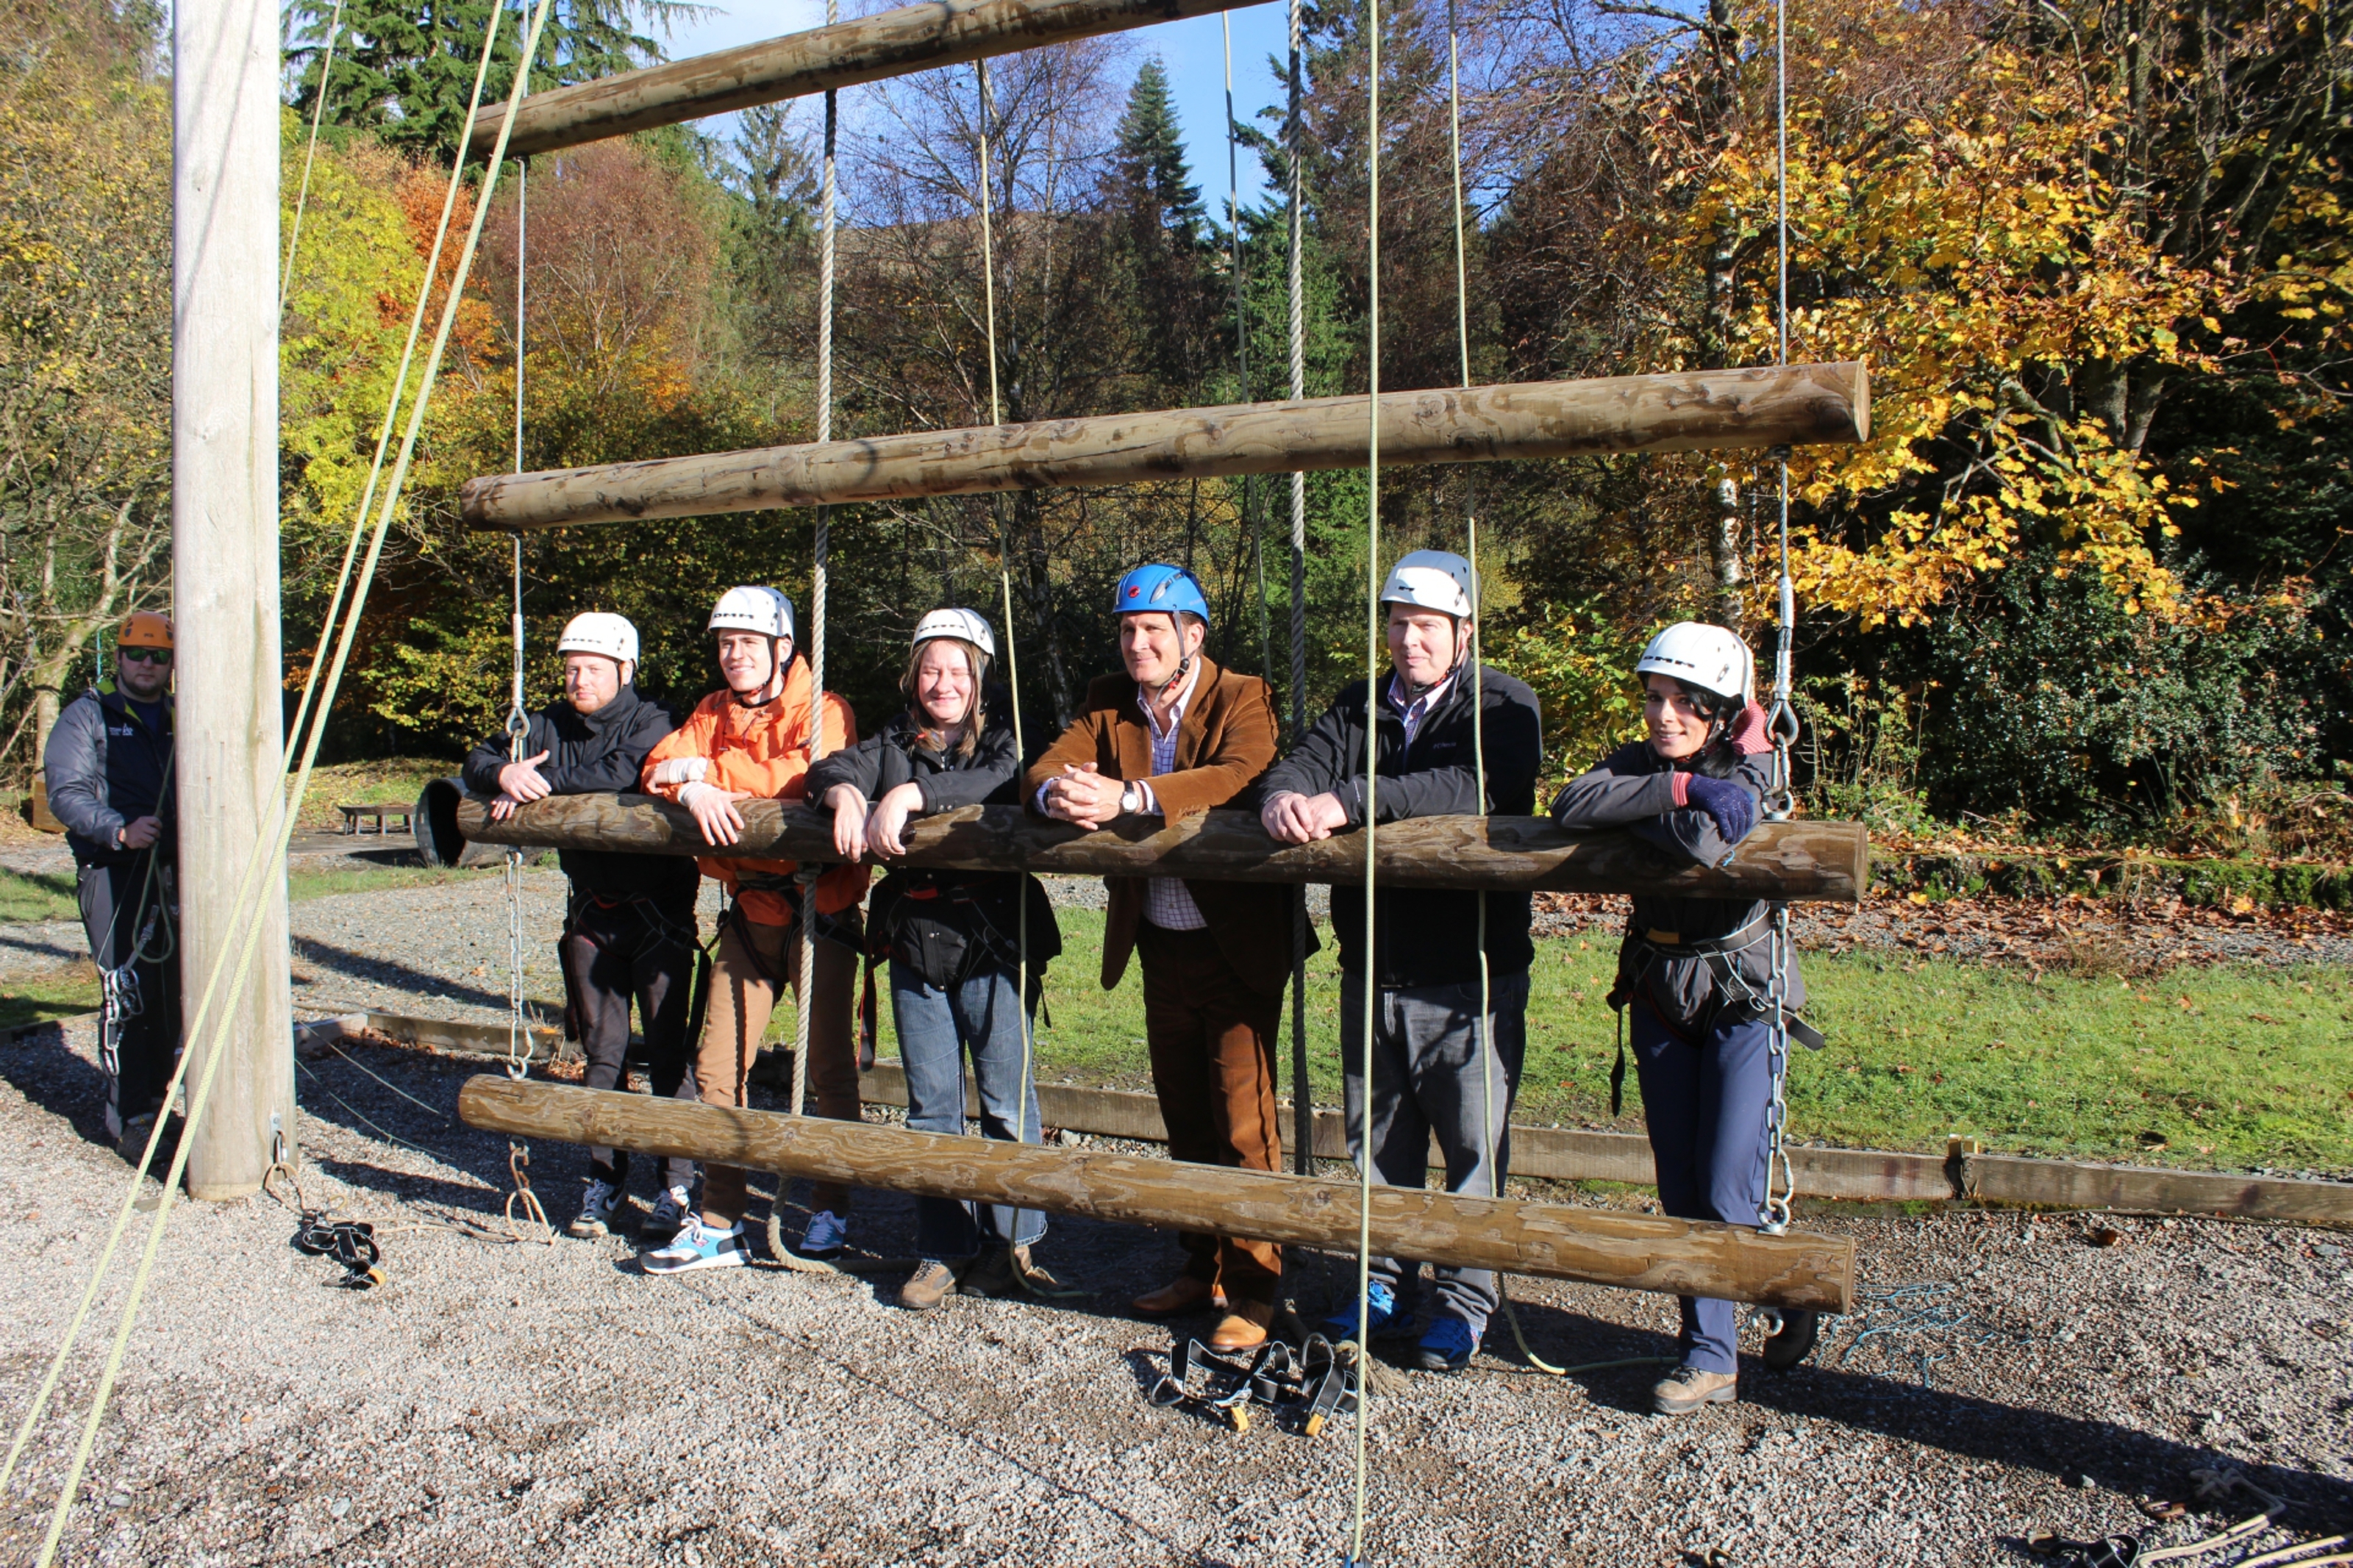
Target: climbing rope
{"points": [[310, 155], [270, 861], [1355, 1554], [283, 809], [1302, 1104], [1781, 1179], [820, 552]]}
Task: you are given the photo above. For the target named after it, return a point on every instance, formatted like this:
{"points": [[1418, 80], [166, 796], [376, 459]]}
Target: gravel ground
{"points": [[499, 1403]]}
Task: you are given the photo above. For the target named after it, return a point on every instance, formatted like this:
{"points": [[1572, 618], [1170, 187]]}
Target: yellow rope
{"points": [[1372, 771], [310, 155], [249, 878], [219, 1045]]}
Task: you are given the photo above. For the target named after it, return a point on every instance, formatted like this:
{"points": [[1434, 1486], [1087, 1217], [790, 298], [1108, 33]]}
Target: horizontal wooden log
{"points": [[1601, 1247], [1798, 860], [870, 49], [1710, 410]]}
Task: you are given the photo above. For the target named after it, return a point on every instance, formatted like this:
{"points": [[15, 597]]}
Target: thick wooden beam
{"points": [[870, 48], [1803, 860], [1711, 410], [1601, 1246]]}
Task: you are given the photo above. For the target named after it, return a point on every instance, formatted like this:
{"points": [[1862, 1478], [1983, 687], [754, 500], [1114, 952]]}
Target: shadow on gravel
{"points": [[2117, 1457], [398, 977], [41, 1068]]}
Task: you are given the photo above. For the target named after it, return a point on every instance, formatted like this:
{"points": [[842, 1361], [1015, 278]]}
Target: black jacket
{"points": [[107, 767], [1633, 788], [591, 754], [1426, 936], [981, 906]]}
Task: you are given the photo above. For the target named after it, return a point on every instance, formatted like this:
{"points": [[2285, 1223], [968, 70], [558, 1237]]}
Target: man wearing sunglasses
{"points": [[109, 762]]}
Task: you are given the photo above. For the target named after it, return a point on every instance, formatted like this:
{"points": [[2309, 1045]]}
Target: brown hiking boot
{"points": [[1687, 1388], [927, 1286], [1182, 1294], [997, 1272]]}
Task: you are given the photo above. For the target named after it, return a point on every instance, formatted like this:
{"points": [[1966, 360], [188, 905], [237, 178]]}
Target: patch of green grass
{"points": [[59, 994], [28, 896], [374, 782], [2232, 1066]]}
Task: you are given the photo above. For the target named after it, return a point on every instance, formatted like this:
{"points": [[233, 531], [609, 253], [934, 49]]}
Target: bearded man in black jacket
{"points": [[630, 924]]}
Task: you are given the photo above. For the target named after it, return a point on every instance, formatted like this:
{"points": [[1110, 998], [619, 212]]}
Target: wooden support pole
{"points": [[228, 724], [1601, 1247], [1798, 860], [1711, 410], [871, 49]]}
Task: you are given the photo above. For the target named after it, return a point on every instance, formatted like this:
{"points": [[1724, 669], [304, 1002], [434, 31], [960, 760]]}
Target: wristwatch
{"points": [[1130, 800]]}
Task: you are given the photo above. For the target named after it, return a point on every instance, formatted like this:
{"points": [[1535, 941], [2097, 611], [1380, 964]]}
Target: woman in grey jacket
{"points": [[953, 938], [1695, 972]]}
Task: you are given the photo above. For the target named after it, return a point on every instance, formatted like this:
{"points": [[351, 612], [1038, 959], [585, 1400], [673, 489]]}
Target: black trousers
{"points": [[623, 950], [141, 1010]]}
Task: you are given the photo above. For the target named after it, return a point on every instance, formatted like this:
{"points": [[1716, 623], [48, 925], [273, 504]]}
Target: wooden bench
{"points": [[355, 814]]}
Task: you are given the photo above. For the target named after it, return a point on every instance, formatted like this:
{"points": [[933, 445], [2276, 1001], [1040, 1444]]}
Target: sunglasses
{"points": [[146, 655]]}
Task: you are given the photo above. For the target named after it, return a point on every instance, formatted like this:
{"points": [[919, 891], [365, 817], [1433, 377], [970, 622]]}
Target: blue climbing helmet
{"points": [[1171, 589]]}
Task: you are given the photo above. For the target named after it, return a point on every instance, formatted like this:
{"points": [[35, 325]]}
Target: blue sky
{"points": [[1191, 49]]}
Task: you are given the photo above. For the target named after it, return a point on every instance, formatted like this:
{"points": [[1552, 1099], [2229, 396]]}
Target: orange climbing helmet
{"points": [[144, 628]]}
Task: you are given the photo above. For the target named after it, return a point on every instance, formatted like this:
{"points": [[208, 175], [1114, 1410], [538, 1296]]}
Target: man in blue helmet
{"points": [[1173, 735]]}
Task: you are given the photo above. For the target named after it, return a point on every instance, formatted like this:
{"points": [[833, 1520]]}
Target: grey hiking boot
{"points": [[929, 1285], [998, 1271], [1687, 1388]]}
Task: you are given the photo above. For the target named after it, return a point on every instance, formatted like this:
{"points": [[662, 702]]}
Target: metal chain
{"points": [[518, 720]]}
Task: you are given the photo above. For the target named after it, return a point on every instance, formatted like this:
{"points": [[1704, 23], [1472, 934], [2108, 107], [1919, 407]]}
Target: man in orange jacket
{"points": [[752, 741]]}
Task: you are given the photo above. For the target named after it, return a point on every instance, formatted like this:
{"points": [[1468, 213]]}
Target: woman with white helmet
{"points": [[953, 939], [1694, 972]]}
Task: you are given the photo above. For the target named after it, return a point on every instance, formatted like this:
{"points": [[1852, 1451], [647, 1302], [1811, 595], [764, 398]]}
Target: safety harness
{"points": [[1736, 1001]]}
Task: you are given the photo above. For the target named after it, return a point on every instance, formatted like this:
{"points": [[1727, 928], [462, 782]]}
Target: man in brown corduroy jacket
{"points": [[1173, 736]]}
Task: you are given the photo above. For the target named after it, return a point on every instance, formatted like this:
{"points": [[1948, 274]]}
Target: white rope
{"points": [[1302, 1104], [274, 862], [518, 720], [1372, 770], [280, 810], [819, 564]]}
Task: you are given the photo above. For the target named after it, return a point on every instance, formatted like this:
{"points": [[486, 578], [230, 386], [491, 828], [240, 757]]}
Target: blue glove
{"points": [[1732, 807]]}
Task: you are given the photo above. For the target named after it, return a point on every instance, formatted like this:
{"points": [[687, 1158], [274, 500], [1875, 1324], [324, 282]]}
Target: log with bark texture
{"points": [[1711, 410], [1601, 1246], [870, 49], [1801, 861]]}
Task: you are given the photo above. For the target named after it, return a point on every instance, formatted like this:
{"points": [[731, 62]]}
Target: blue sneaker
{"points": [[1447, 1346], [826, 1235], [697, 1245], [1342, 1325]]}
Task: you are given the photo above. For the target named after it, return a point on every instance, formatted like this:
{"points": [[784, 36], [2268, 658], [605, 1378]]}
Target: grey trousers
{"points": [[1426, 1062]]}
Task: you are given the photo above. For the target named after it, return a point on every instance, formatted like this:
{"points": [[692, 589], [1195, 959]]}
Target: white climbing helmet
{"points": [[762, 610], [968, 626], [1713, 658], [599, 632], [1430, 580]]}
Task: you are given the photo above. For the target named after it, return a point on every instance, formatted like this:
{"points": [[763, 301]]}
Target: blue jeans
{"points": [[1705, 1105], [1427, 1059], [936, 1027]]}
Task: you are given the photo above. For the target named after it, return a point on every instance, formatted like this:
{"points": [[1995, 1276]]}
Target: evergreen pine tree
{"points": [[402, 68], [1162, 232]]}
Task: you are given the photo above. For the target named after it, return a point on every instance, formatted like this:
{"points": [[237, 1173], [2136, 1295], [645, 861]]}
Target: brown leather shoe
{"points": [[1687, 1388], [1182, 1294], [1244, 1328]]}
